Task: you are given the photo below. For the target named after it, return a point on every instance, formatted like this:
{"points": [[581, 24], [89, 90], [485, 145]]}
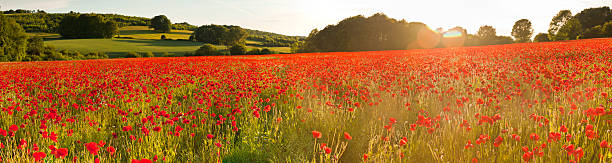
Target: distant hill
{"points": [[41, 22]]}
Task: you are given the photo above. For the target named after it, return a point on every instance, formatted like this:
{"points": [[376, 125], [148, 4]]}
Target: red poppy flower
{"points": [[39, 156], [61, 153], [92, 148], [347, 136], [316, 134]]}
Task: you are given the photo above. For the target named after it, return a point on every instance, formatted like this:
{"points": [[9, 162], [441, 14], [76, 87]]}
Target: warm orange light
{"points": [[427, 38], [453, 38]]}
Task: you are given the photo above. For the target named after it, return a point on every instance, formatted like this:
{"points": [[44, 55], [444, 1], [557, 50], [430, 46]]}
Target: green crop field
{"points": [[138, 39], [118, 47]]}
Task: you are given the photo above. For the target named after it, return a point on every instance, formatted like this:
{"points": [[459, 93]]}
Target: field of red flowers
{"points": [[534, 102]]}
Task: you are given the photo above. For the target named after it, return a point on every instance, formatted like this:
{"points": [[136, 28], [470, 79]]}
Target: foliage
{"points": [[161, 23], [183, 26], [593, 32], [220, 34], [272, 39], [149, 54], [377, 32], [238, 50], [49, 22], [606, 29], [35, 46], [570, 30], [254, 51], [487, 35], [13, 40], [87, 26], [132, 55], [558, 21], [541, 37], [522, 30], [592, 17], [207, 50]]}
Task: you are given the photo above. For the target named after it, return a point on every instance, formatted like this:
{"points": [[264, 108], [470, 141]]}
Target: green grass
{"points": [[143, 32], [118, 47]]}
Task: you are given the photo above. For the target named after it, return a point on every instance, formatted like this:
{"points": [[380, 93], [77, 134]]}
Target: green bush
{"points": [[254, 51], [206, 50], [149, 54], [166, 54], [267, 51], [238, 50], [133, 55]]}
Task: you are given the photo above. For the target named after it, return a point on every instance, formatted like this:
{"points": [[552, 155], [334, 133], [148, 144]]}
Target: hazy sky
{"points": [[299, 17]]}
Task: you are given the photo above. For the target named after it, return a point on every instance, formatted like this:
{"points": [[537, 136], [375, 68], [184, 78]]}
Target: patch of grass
{"points": [[118, 47], [44, 35], [144, 32]]}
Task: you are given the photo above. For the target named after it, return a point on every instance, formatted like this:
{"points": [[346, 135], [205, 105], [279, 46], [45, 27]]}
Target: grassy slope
{"points": [[144, 40]]}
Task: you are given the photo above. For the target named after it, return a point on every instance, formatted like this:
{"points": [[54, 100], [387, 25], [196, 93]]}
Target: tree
{"points": [[36, 46], [486, 35], [570, 30], [558, 21], [593, 32], [606, 29], [238, 50], [503, 40], [87, 26], [211, 34], [592, 17], [234, 36], [161, 23], [219, 34], [522, 30], [13, 40], [377, 32], [541, 37]]}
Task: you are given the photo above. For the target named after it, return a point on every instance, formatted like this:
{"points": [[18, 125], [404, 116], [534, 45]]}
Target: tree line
{"points": [[49, 22], [16, 46], [589, 23], [379, 32]]}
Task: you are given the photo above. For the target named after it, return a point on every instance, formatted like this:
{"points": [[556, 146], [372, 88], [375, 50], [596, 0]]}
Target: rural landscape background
{"points": [[112, 87]]}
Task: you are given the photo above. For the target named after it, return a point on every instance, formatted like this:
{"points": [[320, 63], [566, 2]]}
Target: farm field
{"points": [[142, 39], [530, 102]]}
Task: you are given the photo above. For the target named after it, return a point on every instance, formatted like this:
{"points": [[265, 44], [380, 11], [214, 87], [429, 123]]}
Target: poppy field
{"points": [[531, 102]]}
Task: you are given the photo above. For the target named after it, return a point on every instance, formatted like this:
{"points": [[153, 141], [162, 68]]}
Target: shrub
{"points": [[267, 51], [238, 50], [254, 51], [132, 55], [166, 54], [206, 50], [149, 54]]}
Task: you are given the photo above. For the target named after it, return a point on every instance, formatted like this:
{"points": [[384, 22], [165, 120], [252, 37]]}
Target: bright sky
{"points": [[299, 17]]}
